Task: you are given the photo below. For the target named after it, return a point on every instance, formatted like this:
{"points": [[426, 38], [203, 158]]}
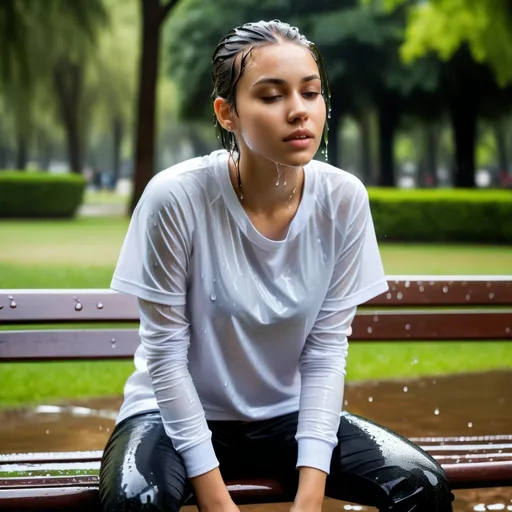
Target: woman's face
{"points": [[281, 112]]}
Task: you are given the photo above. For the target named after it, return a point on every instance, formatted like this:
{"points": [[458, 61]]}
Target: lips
{"points": [[299, 135]]}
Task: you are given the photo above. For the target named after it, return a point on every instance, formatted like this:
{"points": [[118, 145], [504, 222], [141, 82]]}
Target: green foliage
{"points": [[40, 195], [443, 26], [446, 215]]}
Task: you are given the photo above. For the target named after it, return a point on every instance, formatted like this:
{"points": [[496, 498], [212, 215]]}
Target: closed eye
{"points": [[311, 95], [270, 99]]}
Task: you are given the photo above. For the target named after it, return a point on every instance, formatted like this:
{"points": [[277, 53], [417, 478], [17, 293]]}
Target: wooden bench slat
{"points": [[368, 326], [106, 305]]}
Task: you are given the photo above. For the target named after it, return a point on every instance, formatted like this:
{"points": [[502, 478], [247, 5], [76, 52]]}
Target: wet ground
{"points": [[462, 405]]}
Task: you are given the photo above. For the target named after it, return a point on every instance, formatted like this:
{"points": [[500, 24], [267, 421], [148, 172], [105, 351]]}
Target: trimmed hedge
{"points": [[40, 195], [444, 215]]}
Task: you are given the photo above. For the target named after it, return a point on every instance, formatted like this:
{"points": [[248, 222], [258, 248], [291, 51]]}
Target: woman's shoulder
{"points": [[337, 184], [189, 179]]}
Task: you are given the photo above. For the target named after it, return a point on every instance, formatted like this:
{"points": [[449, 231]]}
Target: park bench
{"points": [[416, 308]]}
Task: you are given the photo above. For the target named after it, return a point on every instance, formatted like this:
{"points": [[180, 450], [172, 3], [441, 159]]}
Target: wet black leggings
{"points": [[141, 470]]}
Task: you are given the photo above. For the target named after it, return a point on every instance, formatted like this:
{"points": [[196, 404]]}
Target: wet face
{"points": [[281, 112]]}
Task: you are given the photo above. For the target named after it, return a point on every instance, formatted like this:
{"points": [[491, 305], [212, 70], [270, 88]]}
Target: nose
{"points": [[298, 110]]}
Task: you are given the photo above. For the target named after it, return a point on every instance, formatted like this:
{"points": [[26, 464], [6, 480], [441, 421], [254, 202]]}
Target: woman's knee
{"points": [[417, 487]]}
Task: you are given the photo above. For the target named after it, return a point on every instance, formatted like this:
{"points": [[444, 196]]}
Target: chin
{"points": [[298, 159]]}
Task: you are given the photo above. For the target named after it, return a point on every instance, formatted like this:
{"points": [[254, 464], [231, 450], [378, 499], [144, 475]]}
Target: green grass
{"points": [[82, 254]]}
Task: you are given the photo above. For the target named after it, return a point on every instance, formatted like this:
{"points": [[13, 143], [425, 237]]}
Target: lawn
{"points": [[82, 254]]}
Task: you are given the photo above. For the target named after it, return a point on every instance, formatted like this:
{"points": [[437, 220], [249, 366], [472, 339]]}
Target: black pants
{"points": [[141, 470]]}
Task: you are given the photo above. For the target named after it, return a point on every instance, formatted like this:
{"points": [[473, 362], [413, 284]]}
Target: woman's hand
{"points": [[211, 493], [311, 490]]}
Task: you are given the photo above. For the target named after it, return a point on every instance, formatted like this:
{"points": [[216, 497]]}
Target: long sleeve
{"points": [[164, 332], [153, 266], [358, 276]]}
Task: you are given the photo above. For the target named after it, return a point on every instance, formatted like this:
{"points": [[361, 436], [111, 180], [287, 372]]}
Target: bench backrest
{"points": [[419, 308]]}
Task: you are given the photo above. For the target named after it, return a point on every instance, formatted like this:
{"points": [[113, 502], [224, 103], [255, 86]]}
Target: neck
{"points": [[265, 185]]}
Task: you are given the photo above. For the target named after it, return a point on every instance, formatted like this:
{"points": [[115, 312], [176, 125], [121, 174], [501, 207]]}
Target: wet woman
{"points": [[248, 265]]}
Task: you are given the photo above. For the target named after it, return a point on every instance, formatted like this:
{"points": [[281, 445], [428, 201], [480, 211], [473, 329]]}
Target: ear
{"points": [[224, 114]]}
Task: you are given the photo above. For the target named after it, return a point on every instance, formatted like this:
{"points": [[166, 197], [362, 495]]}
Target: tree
{"points": [[444, 26], [46, 44], [153, 15]]}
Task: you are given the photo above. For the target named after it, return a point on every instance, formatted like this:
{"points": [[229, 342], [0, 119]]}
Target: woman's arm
{"points": [[357, 277]]}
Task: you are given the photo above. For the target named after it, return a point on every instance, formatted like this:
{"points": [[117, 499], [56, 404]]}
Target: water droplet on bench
{"points": [[422, 289], [388, 296], [375, 318], [407, 284], [13, 304], [445, 289], [468, 296], [399, 295], [99, 305], [507, 330], [491, 295], [78, 306], [414, 361], [370, 330], [407, 327]]}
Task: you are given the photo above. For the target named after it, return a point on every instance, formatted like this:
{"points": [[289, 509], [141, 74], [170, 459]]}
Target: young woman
{"points": [[248, 265]]}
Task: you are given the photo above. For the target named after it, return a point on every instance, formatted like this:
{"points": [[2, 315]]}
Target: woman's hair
{"points": [[227, 69]]}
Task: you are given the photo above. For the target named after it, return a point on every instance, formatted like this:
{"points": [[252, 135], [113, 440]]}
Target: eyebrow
{"points": [[280, 81]]}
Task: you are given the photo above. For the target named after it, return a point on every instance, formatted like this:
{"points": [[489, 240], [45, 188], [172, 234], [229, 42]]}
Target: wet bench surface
{"points": [[457, 413]]}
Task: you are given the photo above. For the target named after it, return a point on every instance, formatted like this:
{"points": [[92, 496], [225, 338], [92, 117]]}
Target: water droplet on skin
{"points": [[99, 305], [370, 399], [47, 431], [470, 424], [154, 224], [406, 389], [225, 384], [370, 330], [445, 289], [213, 297], [151, 214], [78, 306], [436, 412]]}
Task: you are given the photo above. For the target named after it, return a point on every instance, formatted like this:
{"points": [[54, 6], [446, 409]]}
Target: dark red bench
{"points": [[415, 308]]}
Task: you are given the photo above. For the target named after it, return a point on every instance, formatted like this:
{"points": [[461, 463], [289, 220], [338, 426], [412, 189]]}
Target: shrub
{"points": [[444, 215], [40, 195]]}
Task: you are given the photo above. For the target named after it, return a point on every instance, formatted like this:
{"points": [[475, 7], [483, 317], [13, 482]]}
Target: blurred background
{"points": [[96, 96]]}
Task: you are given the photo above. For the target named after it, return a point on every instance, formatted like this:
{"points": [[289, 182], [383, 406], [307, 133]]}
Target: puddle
{"points": [[456, 405]]}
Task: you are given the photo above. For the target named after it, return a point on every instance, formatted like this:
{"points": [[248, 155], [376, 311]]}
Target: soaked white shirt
{"points": [[235, 326]]}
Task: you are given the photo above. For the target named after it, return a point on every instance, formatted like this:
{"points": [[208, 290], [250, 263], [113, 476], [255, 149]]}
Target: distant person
{"points": [[248, 265]]}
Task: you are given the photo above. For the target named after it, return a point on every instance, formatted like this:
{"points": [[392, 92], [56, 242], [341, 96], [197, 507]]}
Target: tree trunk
{"points": [[388, 117], [365, 131], [117, 129], [464, 115], [68, 82], [501, 146], [3, 157], [21, 153], [430, 175], [146, 104]]}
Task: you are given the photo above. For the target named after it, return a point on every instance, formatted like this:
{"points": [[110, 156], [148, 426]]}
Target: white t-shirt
{"points": [[235, 326]]}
